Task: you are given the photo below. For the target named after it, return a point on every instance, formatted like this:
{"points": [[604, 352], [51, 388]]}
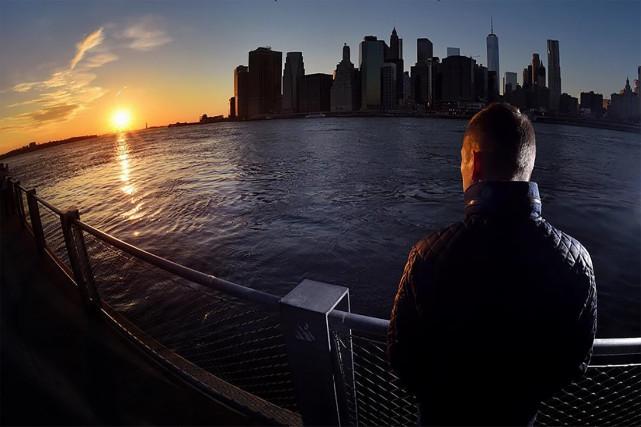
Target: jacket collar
{"points": [[507, 198]]}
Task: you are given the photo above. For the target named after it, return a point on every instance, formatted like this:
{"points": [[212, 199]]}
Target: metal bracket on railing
{"points": [[305, 326], [36, 223], [343, 354], [79, 259]]}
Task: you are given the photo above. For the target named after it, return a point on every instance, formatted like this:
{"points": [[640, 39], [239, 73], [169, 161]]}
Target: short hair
{"points": [[507, 138]]}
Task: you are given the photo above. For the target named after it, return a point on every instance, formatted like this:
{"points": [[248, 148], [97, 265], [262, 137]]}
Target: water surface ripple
{"points": [[268, 203]]}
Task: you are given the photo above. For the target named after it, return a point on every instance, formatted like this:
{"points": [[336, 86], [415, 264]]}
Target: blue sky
{"points": [[193, 46]]}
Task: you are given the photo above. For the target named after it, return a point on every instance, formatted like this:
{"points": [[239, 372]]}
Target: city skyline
{"points": [[132, 59]]}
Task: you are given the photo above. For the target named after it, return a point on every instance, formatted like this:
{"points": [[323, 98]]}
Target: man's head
{"points": [[498, 145]]}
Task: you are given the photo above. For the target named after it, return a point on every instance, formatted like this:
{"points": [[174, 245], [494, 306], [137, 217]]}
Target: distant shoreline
{"points": [[562, 120], [35, 147], [569, 121]]}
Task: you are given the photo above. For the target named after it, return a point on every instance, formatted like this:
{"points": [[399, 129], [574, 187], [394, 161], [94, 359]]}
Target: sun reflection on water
{"points": [[128, 188]]}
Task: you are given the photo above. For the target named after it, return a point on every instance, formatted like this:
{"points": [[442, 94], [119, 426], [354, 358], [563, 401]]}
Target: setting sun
{"points": [[121, 119]]}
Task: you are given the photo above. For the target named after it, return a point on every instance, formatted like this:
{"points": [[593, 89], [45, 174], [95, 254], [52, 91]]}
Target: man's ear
{"points": [[477, 166]]}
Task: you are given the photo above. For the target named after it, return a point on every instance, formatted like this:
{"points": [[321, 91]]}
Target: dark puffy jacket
{"points": [[493, 314]]}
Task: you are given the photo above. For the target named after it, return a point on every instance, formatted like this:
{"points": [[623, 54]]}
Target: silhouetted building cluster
{"points": [[568, 105], [456, 84], [379, 83], [534, 94], [591, 105]]}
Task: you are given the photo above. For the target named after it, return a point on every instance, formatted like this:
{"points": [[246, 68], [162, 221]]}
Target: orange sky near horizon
{"points": [[151, 103]]}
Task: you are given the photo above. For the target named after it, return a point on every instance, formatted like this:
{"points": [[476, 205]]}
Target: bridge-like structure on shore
{"points": [[248, 356]]}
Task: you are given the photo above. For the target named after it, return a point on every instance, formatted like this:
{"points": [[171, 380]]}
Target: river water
{"points": [[268, 203]]}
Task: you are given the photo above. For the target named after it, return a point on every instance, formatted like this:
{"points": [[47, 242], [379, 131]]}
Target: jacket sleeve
{"points": [[404, 329], [579, 338], [587, 321]]}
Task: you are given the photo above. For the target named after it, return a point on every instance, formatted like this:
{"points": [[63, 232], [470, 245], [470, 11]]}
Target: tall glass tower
{"points": [[292, 80], [372, 57], [554, 74], [493, 51]]}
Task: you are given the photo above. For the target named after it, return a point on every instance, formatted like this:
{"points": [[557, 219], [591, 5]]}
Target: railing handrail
{"points": [[374, 326], [48, 205], [377, 327], [207, 280]]}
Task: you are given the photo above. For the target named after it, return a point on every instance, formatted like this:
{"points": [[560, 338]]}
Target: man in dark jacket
{"points": [[497, 312]]}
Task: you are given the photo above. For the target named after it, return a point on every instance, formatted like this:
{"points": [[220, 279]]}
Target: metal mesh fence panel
{"points": [[54, 238], [605, 396], [236, 340], [380, 397]]}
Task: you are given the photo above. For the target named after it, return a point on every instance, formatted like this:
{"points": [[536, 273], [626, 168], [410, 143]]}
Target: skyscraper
{"points": [[372, 56], [493, 55], [509, 82], [424, 50], [232, 108], [527, 76], [315, 93], [538, 71], [395, 56], [554, 74], [457, 78], [407, 89], [395, 46], [388, 86], [424, 82], [241, 91], [625, 105], [345, 90], [292, 77], [453, 51], [265, 70], [481, 83]]}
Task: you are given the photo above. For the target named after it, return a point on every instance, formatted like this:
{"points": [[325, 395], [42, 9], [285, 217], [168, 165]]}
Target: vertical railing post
{"points": [[11, 197], [79, 259], [36, 223], [19, 202], [7, 203], [304, 321]]}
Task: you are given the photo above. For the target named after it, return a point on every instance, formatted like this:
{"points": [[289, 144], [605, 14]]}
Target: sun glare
{"points": [[121, 119]]}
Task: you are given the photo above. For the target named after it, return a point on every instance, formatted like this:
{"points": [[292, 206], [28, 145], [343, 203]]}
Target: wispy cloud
{"points": [[65, 92], [69, 90], [24, 87], [55, 112], [146, 34], [92, 40], [100, 59], [57, 99]]}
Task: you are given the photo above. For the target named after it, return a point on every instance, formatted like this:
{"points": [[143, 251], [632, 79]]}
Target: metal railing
{"points": [[301, 358]]}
